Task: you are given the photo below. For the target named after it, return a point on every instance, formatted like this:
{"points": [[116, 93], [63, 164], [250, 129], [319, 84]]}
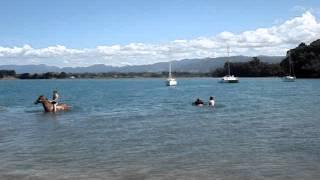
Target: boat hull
{"points": [[171, 83], [289, 79], [229, 79]]}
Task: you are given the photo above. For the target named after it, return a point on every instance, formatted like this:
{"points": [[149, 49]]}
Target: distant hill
{"points": [[41, 68], [305, 59], [195, 65], [186, 65]]}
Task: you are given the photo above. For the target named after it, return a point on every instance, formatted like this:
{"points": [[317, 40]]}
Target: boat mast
{"points": [[289, 62], [170, 76], [228, 51], [292, 69]]}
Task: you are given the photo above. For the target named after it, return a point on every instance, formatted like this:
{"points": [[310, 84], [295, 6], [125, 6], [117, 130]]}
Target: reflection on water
{"points": [[3, 109], [141, 129]]}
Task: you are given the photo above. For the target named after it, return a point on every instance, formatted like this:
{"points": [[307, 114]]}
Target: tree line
{"points": [[304, 61], [64, 75], [253, 68], [7, 73]]}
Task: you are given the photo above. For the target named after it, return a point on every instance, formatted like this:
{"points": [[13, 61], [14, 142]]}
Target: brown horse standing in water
{"points": [[48, 106]]}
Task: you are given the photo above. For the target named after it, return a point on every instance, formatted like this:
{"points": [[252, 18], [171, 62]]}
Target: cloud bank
{"points": [[274, 40]]}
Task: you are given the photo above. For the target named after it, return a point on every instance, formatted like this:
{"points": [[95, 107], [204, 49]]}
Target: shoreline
{"points": [[135, 78], [9, 78]]}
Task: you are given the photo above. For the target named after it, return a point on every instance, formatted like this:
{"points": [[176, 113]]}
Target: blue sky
{"points": [[78, 25], [89, 23]]}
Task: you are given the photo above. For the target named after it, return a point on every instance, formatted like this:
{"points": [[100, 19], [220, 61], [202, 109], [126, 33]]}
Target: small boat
{"points": [[171, 81], [291, 77], [229, 78]]}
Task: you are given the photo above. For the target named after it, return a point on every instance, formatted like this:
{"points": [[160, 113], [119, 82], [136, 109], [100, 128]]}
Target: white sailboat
{"points": [[291, 77], [171, 81], [229, 78]]}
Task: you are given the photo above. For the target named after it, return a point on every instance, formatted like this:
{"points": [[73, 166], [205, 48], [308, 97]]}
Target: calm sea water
{"points": [[140, 129]]}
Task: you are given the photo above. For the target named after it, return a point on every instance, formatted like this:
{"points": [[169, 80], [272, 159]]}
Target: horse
{"points": [[48, 106]]}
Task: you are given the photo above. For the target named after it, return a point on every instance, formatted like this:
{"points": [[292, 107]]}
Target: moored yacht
{"points": [[229, 78], [171, 81], [291, 77]]}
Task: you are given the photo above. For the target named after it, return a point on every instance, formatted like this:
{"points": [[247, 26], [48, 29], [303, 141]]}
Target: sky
{"points": [[117, 32]]}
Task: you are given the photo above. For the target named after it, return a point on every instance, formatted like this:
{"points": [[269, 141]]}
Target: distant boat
{"points": [[171, 81], [229, 78], [291, 77]]}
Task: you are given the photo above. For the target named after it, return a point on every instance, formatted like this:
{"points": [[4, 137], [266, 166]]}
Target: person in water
{"points": [[211, 101], [55, 97], [198, 102]]}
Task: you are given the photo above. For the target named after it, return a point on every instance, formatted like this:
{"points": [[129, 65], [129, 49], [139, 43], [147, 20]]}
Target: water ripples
{"points": [[140, 129]]}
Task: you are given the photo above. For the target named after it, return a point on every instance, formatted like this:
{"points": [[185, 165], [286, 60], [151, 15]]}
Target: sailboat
{"points": [[291, 77], [171, 81], [229, 78]]}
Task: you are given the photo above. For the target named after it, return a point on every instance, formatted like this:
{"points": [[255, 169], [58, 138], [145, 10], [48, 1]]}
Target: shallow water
{"points": [[140, 129]]}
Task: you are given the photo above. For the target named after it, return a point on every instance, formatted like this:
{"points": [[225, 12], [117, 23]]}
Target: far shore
{"points": [[112, 78], [9, 78]]}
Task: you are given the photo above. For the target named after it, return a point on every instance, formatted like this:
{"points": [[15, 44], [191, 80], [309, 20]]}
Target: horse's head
{"points": [[40, 99]]}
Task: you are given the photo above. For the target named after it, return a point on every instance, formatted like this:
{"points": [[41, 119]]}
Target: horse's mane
{"points": [[42, 96]]}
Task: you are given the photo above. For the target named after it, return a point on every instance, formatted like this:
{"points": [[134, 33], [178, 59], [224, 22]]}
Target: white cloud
{"points": [[274, 40]]}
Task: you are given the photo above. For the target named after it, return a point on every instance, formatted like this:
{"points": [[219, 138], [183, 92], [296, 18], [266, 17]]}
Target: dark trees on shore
{"points": [[7, 73], [305, 60], [253, 68]]}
